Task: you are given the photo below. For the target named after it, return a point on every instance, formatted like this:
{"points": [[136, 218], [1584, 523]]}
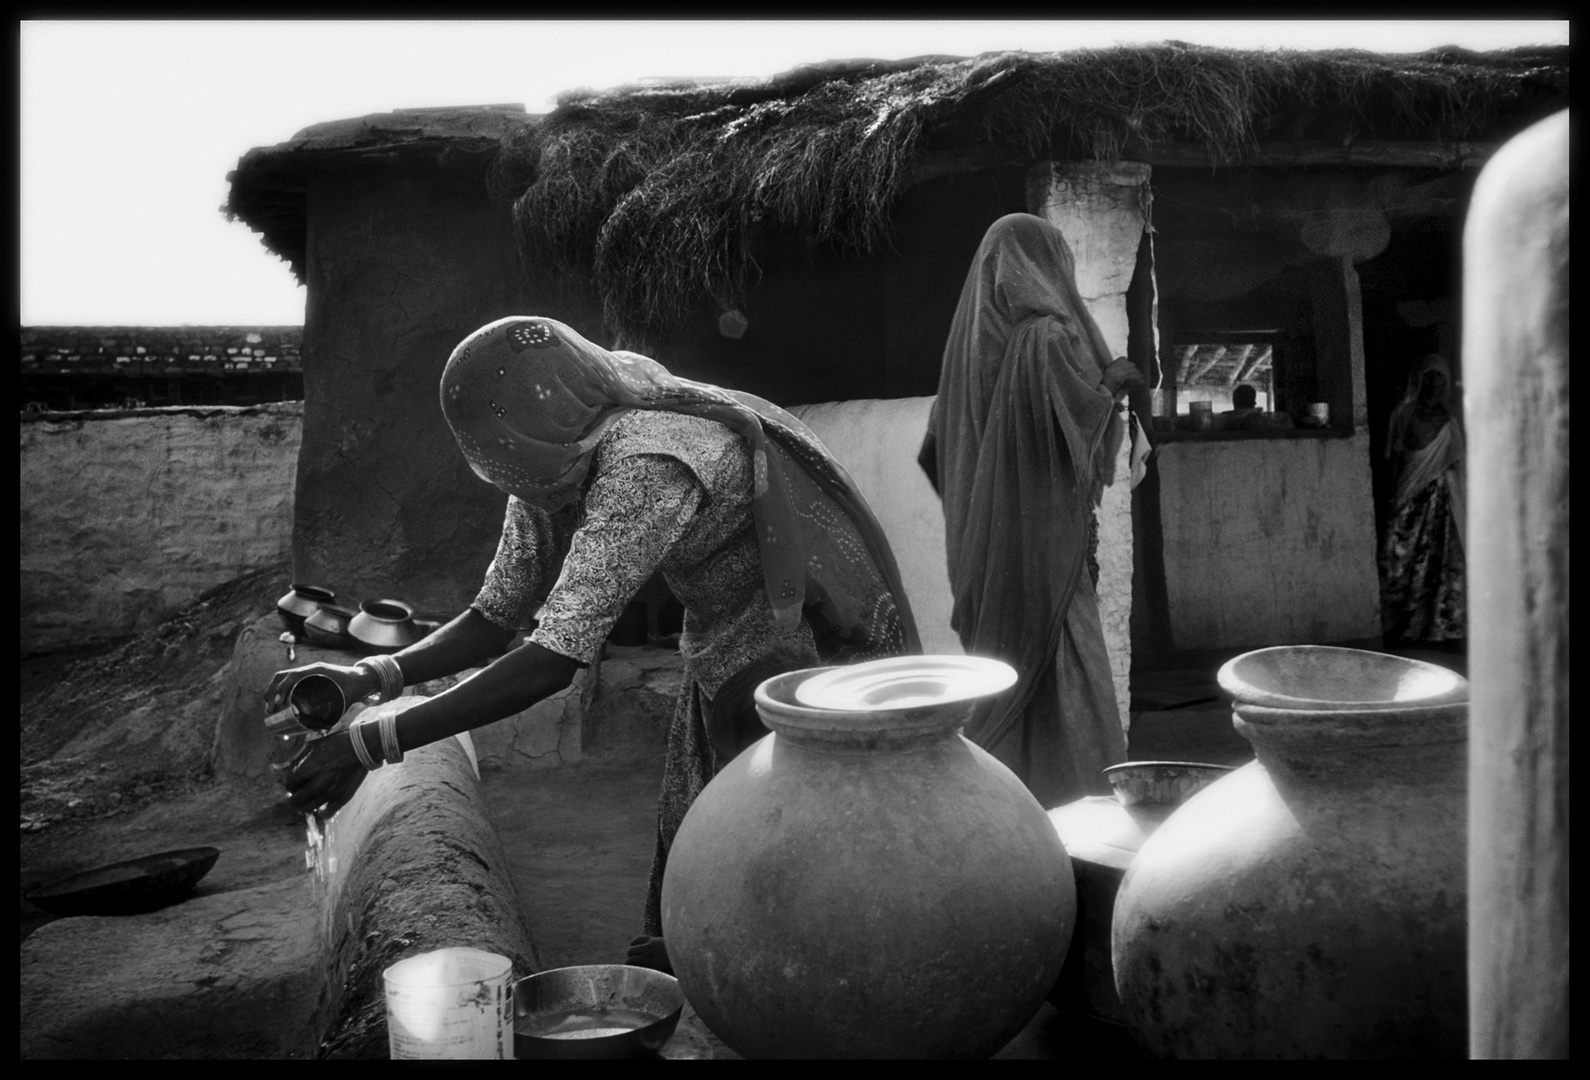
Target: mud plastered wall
{"points": [[127, 516], [1286, 556], [877, 443]]}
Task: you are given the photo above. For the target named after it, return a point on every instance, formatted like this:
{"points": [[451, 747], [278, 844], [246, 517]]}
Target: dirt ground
{"points": [[579, 842], [106, 729]]}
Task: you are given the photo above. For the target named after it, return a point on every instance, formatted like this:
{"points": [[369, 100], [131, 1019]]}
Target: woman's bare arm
{"points": [[328, 772], [468, 641], [508, 685]]}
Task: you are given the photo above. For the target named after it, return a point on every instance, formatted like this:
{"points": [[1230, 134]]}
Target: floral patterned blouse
{"points": [[667, 492]]}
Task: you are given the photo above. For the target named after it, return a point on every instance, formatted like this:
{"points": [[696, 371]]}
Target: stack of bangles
{"points": [[390, 674]]}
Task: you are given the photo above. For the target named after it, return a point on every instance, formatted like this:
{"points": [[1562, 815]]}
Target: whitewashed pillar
{"points": [[1515, 363], [1102, 209]]}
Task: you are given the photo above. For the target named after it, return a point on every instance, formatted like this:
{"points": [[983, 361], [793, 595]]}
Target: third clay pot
{"points": [[1313, 902]]}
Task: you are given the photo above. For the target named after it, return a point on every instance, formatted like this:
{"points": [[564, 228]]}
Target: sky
{"points": [[128, 128]]}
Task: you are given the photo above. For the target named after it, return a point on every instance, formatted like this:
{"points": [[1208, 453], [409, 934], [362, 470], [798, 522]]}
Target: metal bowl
{"points": [[328, 627], [1326, 677], [1161, 783], [301, 602], [595, 1011], [384, 626], [125, 888]]}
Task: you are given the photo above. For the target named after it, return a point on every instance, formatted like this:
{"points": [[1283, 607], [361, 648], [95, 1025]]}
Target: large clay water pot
{"points": [[865, 882], [1313, 902]]}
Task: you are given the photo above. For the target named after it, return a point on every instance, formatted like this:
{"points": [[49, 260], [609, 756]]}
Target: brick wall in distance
{"points": [[77, 367]]}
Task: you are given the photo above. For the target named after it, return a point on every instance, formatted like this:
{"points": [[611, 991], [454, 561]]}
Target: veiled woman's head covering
{"points": [[1023, 269], [1412, 391], [529, 400]]}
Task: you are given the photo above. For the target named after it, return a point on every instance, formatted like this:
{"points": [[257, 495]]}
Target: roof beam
{"points": [[1252, 357], [1202, 369]]}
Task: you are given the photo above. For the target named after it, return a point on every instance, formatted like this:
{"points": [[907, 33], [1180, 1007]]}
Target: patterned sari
{"points": [[617, 470], [1421, 560]]}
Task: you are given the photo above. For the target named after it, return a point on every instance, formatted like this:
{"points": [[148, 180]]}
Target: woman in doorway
{"points": [[616, 469], [1421, 561], [1021, 442]]}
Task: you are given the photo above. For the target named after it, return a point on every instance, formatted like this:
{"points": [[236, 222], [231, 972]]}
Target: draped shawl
{"points": [[529, 399], [1020, 442]]}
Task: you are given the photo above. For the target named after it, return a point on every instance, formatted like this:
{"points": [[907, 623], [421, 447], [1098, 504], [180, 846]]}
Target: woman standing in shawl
{"points": [[1421, 562], [1021, 442], [615, 469]]}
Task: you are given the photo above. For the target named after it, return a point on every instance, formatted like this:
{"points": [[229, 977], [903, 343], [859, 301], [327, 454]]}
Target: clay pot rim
{"points": [[1249, 693], [1271, 714], [776, 704], [398, 605], [1353, 729], [316, 593]]}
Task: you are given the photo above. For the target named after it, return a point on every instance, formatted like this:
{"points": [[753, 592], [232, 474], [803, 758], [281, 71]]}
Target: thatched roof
{"points": [[657, 193], [269, 187]]}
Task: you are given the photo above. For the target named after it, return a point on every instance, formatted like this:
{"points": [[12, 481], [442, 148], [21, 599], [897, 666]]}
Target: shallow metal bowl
{"points": [[1161, 783], [595, 1011]]}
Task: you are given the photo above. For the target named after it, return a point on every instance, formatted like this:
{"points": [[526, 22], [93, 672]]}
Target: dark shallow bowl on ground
{"points": [[125, 888], [595, 1011], [301, 602]]}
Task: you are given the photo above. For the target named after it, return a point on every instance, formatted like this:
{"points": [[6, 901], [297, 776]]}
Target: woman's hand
{"points": [[355, 683], [1121, 377], [325, 774]]}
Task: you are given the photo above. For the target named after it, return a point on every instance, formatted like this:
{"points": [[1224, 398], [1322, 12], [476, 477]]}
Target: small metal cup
{"points": [[314, 705]]}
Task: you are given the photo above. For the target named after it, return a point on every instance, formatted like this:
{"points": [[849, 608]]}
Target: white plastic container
{"points": [[450, 1004]]}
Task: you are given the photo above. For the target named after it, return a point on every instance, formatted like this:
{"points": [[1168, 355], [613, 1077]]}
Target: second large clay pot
{"points": [[1313, 902], [865, 882]]}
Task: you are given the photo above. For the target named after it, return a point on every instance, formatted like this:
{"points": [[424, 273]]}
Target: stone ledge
{"points": [[411, 864]]}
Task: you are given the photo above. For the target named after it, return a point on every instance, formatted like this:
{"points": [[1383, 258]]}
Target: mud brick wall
{"points": [[126, 516]]}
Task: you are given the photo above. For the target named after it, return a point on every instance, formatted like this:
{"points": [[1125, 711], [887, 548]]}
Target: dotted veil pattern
{"points": [[529, 399]]}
